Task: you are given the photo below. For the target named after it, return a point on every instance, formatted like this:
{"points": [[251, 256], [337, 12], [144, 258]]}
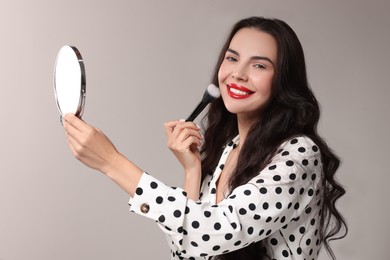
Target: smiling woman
{"points": [[260, 183], [247, 72]]}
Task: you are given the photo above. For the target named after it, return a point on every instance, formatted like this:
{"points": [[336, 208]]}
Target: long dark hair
{"points": [[293, 110]]}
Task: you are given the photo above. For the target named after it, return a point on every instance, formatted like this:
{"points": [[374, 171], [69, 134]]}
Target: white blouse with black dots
{"points": [[281, 206]]}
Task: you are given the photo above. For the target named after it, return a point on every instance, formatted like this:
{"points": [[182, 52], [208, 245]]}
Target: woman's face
{"points": [[246, 73]]}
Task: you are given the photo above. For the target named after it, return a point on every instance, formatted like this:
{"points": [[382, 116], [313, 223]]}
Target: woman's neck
{"points": [[244, 124]]}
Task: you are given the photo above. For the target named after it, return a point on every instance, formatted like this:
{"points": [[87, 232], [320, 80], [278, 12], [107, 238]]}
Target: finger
{"points": [[169, 126], [188, 132], [76, 122]]}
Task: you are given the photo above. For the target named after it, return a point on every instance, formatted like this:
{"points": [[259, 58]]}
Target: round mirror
{"points": [[69, 81]]}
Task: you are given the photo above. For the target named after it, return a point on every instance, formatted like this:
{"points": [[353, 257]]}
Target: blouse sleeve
{"points": [[280, 193]]}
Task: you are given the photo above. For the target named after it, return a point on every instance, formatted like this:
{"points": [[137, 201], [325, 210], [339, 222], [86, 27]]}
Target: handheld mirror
{"points": [[69, 81]]}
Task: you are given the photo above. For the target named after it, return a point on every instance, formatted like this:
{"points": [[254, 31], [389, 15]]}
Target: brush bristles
{"points": [[212, 92]]}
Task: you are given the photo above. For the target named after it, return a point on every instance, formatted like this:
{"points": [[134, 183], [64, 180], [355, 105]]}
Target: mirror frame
{"points": [[80, 108]]}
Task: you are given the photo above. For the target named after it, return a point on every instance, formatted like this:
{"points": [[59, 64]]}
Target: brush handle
{"points": [[197, 111]]}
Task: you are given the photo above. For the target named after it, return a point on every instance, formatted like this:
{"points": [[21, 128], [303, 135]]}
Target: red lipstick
{"points": [[238, 91]]}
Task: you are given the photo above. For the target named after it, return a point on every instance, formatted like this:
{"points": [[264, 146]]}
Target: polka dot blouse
{"points": [[280, 206]]}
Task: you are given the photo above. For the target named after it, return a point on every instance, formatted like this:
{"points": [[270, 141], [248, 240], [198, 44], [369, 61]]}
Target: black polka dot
{"points": [[277, 178], [305, 162], [308, 242], [222, 166], [234, 225], [252, 206], [261, 232], [153, 185], [260, 181], [250, 230], [247, 192], [206, 237], [308, 210], [292, 176], [282, 219], [304, 176], [193, 243], [213, 191], [230, 207], [313, 176], [256, 217], [272, 167], [265, 205], [159, 200], [296, 206], [187, 210], [294, 141], [301, 191], [228, 236], [217, 226], [278, 190], [269, 219], [195, 224], [278, 205], [312, 222], [263, 190], [302, 230], [170, 198], [161, 218], [291, 190], [315, 162], [310, 192], [285, 253], [301, 149], [177, 213], [216, 248], [242, 211], [290, 163], [207, 214], [285, 153], [269, 232], [299, 250], [274, 241], [139, 191], [237, 243], [315, 148]]}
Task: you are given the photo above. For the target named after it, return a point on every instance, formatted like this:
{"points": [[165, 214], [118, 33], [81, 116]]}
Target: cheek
{"points": [[222, 73], [264, 82]]}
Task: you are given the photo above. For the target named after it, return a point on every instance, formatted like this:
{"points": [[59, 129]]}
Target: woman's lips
{"points": [[238, 92]]}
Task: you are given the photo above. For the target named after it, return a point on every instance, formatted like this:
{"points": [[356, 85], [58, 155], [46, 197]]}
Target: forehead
{"points": [[253, 42]]}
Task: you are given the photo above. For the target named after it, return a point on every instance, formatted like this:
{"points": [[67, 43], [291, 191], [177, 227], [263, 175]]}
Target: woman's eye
{"points": [[229, 58], [259, 66]]}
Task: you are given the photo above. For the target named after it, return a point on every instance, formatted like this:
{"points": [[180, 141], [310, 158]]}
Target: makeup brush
{"points": [[211, 93]]}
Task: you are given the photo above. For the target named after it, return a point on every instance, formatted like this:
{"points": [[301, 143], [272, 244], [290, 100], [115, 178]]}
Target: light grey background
{"points": [[148, 62]]}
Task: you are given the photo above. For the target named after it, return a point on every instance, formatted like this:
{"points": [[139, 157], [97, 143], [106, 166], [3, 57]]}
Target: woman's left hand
{"points": [[88, 144]]}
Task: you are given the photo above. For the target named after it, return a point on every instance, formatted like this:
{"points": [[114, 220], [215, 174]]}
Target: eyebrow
{"points": [[253, 57]]}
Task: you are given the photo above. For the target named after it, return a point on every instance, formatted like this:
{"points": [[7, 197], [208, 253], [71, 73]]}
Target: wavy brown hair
{"points": [[293, 110]]}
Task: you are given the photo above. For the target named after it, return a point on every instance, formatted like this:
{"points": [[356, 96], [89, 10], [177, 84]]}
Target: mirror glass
{"points": [[69, 81]]}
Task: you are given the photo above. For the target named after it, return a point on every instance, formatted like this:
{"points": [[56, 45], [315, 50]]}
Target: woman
{"points": [[262, 186]]}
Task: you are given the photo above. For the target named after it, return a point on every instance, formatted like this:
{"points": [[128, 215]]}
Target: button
{"points": [[145, 208]]}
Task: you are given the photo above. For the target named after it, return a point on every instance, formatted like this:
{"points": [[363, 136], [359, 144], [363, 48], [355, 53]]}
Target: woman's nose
{"points": [[240, 74]]}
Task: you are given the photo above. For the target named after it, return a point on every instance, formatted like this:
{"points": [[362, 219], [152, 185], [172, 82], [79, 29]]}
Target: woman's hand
{"points": [[184, 139], [88, 144]]}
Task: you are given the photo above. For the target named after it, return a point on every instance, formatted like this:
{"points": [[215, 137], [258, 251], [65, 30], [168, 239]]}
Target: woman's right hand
{"points": [[184, 138]]}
